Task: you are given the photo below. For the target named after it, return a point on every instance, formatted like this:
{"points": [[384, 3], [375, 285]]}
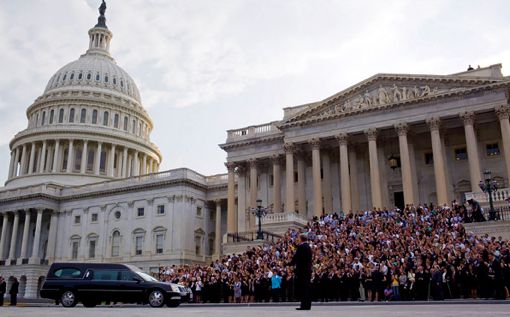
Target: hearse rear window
{"points": [[69, 272], [104, 275]]}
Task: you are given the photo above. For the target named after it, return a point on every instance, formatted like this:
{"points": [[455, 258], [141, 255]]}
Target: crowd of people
{"points": [[419, 253]]}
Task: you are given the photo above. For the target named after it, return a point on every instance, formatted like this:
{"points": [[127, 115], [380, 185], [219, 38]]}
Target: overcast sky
{"points": [[204, 67]]}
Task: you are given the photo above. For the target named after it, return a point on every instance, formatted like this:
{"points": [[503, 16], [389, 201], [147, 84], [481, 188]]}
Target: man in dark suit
{"points": [[302, 260], [14, 292], [3, 289]]}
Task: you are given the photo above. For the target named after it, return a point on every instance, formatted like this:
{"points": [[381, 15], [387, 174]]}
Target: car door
{"points": [[105, 284], [131, 287]]}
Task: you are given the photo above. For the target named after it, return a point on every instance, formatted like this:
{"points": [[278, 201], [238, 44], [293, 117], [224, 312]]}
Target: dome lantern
{"points": [[99, 35]]}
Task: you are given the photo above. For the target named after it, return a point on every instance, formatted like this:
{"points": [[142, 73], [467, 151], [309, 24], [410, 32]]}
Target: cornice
{"points": [[251, 141], [292, 122]]}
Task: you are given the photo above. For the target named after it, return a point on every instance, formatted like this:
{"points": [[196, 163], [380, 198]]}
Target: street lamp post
{"points": [[489, 186], [259, 212]]}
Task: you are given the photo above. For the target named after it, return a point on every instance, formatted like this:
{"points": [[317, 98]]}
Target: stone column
{"points": [[472, 150], [3, 237], [144, 164], [405, 163], [84, 157], [136, 162], [316, 173], [97, 161], [125, 162], [52, 236], [70, 157], [129, 166], [23, 164], [24, 240], [326, 182], [241, 198], [217, 229], [14, 238], [353, 167], [16, 161], [34, 259], [301, 184], [375, 178], [439, 164], [56, 156], [289, 177], [49, 159], [277, 199], [253, 183], [231, 199], [503, 113], [42, 164], [345, 183], [11, 164], [111, 160], [32, 159]]}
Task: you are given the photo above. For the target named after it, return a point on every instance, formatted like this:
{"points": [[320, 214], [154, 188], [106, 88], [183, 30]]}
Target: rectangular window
{"points": [[271, 180], [159, 243], [140, 212], [492, 149], [90, 161], [77, 220], [199, 211], [198, 242], [161, 209], [105, 275], [461, 154], [429, 158], [94, 217], [296, 178], [92, 249], [77, 159], [138, 245], [74, 253]]}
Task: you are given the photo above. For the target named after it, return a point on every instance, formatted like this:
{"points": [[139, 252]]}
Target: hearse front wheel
{"points": [[156, 298]]}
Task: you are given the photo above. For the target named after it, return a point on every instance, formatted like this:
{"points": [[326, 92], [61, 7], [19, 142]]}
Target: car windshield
{"points": [[146, 277]]}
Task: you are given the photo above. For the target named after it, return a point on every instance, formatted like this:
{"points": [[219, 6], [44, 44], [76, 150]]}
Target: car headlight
{"points": [[175, 288]]}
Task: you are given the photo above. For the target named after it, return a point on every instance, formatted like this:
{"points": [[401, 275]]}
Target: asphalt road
{"points": [[465, 310]]}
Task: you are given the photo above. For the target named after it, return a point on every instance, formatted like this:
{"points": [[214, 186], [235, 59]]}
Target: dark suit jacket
{"points": [[14, 288], [3, 287], [302, 260]]}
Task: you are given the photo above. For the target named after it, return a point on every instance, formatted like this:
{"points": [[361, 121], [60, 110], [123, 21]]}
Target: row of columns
{"points": [[348, 169], [8, 252], [50, 159]]}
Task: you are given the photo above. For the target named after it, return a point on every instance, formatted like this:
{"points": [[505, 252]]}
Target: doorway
{"points": [[399, 200]]}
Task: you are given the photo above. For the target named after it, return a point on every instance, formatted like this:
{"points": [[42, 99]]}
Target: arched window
{"points": [[98, 77], [114, 81], [105, 118], [80, 75], [37, 119], [134, 126], [94, 116], [61, 116], [125, 123], [72, 76], [83, 115], [116, 121], [64, 78], [71, 115], [115, 243], [89, 76], [105, 78], [43, 121], [52, 113]]}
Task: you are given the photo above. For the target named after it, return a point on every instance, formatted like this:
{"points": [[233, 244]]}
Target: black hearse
{"points": [[93, 283]]}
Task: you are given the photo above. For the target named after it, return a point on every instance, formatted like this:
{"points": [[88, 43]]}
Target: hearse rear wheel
{"points": [[68, 299]]}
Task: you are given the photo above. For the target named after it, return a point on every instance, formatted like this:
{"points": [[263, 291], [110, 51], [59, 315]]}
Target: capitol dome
{"points": [[89, 124]]}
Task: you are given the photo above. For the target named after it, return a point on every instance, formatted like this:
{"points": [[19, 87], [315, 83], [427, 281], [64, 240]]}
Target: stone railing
{"points": [[181, 173], [252, 131], [218, 179], [499, 197], [281, 217], [47, 189]]}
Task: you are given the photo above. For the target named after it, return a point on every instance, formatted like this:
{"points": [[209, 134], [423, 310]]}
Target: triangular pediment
{"points": [[386, 90]]}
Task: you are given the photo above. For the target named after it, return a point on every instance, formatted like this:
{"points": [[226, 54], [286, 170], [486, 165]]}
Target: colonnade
{"points": [[80, 156], [349, 195], [11, 225]]}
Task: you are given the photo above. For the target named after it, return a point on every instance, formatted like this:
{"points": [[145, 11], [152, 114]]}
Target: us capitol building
{"points": [[84, 181]]}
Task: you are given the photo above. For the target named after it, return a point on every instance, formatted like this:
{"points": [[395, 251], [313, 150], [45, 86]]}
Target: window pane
{"points": [[83, 115], [94, 116], [92, 248]]}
